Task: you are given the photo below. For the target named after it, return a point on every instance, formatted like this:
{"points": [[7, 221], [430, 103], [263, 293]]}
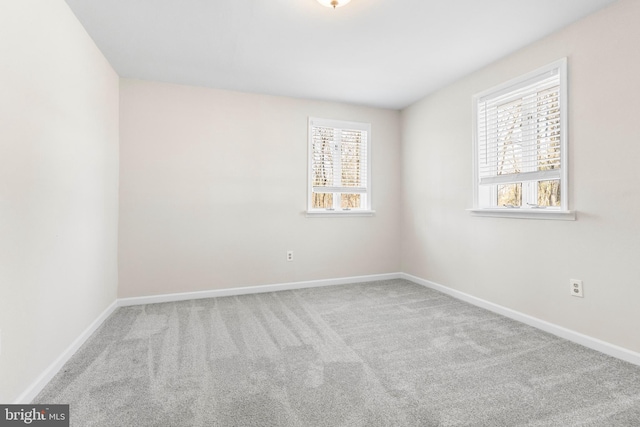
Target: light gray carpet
{"points": [[388, 353]]}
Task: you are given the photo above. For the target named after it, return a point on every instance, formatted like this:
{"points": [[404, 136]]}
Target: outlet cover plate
{"points": [[576, 288]]}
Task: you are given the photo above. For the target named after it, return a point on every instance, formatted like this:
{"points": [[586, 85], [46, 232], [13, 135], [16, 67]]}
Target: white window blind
{"points": [[338, 165], [519, 133], [520, 142]]}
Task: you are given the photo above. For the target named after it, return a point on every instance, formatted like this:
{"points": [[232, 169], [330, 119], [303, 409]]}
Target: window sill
{"points": [[327, 214], [525, 214]]}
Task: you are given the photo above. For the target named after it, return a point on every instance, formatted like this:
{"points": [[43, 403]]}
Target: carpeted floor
{"points": [[388, 353]]}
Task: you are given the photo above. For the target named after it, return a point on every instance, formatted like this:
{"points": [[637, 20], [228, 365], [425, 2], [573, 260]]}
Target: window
{"points": [[339, 167], [520, 146]]}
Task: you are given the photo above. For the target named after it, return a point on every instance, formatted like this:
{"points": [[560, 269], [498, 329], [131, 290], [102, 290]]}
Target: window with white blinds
{"points": [[520, 140], [339, 166]]}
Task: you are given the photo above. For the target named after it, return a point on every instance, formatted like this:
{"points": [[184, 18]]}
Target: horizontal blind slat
{"points": [[522, 177], [327, 189]]}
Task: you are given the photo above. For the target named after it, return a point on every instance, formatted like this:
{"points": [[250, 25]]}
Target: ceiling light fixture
{"points": [[333, 3]]}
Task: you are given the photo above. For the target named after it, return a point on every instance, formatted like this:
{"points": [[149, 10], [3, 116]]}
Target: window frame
{"points": [[527, 212], [366, 209]]}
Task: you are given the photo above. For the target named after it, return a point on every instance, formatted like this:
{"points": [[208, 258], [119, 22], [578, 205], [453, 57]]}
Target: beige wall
{"points": [[526, 264], [58, 186], [213, 191]]}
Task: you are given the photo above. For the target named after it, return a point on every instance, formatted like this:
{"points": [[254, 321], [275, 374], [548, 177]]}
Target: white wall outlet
{"points": [[289, 255], [576, 287]]}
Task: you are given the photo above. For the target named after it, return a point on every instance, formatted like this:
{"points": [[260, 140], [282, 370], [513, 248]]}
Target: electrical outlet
{"points": [[576, 288], [289, 255]]}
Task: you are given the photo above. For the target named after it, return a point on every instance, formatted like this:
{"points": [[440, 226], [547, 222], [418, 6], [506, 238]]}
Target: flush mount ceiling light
{"points": [[333, 3]]}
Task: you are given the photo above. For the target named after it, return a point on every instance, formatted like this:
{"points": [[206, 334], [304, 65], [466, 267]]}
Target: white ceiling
{"points": [[384, 53]]}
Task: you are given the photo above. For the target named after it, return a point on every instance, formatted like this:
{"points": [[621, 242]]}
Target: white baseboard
{"points": [[36, 387], [123, 302], [568, 334]]}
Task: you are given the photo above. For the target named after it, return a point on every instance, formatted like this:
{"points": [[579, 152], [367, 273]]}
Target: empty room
{"points": [[320, 213]]}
